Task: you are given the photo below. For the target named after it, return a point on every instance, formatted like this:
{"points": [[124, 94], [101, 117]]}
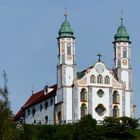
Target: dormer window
{"points": [[46, 89]]}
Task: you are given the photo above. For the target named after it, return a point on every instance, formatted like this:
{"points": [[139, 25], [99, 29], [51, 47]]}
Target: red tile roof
{"points": [[35, 99], [19, 114]]}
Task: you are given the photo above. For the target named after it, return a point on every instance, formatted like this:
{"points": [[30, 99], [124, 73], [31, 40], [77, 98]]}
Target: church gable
{"points": [[97, 75]]}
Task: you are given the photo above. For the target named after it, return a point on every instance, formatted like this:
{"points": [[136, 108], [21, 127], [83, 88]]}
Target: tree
{"points": [[119, 127], [4, 110], [85, 129]]}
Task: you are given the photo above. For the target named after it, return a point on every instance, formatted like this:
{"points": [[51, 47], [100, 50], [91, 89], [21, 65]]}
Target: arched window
{"points": [[68, 49], [107, 80], [124, 52], [99, 79], [83, 110], [116, 97], [100, 93], [46, 119], [28, 111], [92, 79], [119, 63], [100, 110], [51, 101], [46, 105], [33, 111], [59, 117], [83, 94], [116, 112]]}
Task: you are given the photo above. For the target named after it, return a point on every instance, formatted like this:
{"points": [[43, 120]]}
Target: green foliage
{"points": [[5, 112], [85, 129], [120, 127]]}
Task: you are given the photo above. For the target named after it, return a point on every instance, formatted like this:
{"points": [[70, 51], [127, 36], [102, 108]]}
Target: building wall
{"points": [[96, 100], [39, 116], [107, 99]]}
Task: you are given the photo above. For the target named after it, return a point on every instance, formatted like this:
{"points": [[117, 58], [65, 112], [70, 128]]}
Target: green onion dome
{"points": [[65, 30], [121, 35]]}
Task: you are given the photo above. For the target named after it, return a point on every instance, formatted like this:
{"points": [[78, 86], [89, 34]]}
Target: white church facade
{"points": [[97, 90]]}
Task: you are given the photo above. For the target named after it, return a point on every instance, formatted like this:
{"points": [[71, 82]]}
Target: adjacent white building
{"points": [[97, 90]]}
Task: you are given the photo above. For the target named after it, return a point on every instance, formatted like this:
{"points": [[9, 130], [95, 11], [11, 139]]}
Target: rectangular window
{"points": [[69, 50]]}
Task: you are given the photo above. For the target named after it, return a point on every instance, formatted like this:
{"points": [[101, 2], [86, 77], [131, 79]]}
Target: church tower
{"points": [[122, 65], [66, 71]]}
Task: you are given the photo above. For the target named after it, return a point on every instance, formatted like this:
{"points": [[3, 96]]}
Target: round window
{"points": [[100, 93]]}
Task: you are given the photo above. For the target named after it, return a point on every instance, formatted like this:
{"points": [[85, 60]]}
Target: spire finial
{"points": [[65, 14], [32, 89], [121, 17]]}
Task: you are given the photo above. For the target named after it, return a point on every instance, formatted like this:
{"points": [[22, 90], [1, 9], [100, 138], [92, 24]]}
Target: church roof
{"points": [[19, 114], [65, 30], [35, 99], [121, 35]]}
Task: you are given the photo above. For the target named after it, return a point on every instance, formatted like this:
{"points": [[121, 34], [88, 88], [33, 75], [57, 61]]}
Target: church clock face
{"points": [[99, 68]]}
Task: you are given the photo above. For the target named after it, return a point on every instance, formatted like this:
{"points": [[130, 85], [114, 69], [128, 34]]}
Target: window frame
{"points": [[92, 79], [100, 79], [107, 79], [100, 91], [83, 110], [83, 94]]}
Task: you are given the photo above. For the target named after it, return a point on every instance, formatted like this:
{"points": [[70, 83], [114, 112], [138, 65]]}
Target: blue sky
{"points": [[28, 45]]}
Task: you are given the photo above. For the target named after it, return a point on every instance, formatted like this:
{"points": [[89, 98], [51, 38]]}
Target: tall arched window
{"points": [[119, 63], [116, 97], [116, 112], [107, 80], [92, 79], [99, 79], [83, 94], [59, 117], [69, 49], [83, 110], [125, 52], [33, 111], [46, 119], [46, 105]]}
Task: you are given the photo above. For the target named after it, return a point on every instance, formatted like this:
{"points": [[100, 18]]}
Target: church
{"points": [[97, 90]]}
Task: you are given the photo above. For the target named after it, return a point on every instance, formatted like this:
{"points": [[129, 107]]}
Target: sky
{"points": [[28, 45]]}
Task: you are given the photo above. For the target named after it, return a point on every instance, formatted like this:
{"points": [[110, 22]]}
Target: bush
{"points": [[85, 129], [119, 127]]}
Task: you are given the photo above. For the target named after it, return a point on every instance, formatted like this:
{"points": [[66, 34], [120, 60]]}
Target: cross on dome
{"points": [[121, 17], [66, 13], [99, 55]]}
